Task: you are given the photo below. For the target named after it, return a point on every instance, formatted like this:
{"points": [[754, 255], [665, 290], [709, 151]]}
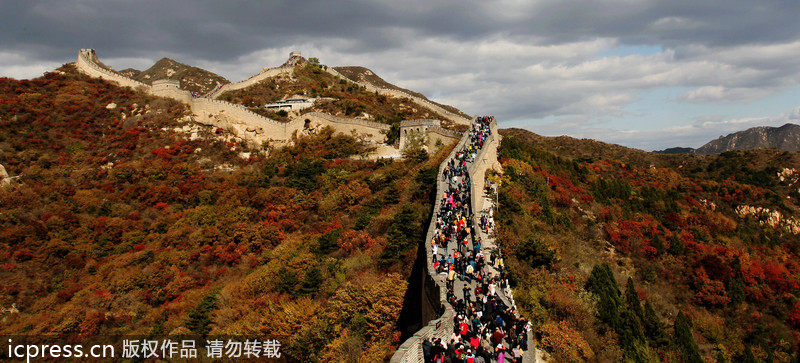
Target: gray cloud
{"points": [[517, 59], [219, 30]]}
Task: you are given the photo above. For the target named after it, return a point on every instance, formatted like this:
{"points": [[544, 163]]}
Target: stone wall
{"points": [[243, 122], [411, 349], [432, 128], [265, 74], [161, 89], [171, 89], [254, 127], [439, 133], [87, 65], [487, 159], [366, 129]]}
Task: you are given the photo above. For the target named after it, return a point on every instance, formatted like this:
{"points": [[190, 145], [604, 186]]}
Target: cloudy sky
{"points": [[642, 73]]}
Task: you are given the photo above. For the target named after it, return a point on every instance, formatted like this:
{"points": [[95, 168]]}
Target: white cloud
{"points": [[671, 23], [706, 128], [720, 94], [18, 66]]}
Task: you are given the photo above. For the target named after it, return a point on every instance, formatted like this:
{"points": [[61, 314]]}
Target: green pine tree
{"points": [[199, 317], [622, 318], [721, 357], [676, 246], [632, 299], [631, 337], [684, 341], [311, 282], [736, 291], [658, 244], [653, 327], [603, 284]]}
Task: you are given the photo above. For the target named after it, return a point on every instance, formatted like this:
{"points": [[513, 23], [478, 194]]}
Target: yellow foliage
{"points": [[519, 167], [287, 320], [257, 282], [379, 302], [565, 343], [377, 351], [344, 347]]}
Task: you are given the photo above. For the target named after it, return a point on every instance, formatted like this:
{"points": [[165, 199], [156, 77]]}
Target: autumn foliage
{"points": [[669, 223], [120, 223]]}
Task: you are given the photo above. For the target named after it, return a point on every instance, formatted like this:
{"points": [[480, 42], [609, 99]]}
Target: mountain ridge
{"points": [[786, 137]]}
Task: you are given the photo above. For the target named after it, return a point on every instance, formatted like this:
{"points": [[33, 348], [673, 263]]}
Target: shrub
{"points": [[536, 253]]}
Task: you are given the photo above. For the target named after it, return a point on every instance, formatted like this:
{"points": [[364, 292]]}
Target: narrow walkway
{"points": [[481, 321]]}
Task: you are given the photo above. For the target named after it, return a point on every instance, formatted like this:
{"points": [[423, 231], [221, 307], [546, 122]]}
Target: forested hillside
{"points": [[121, 223], [658, 258]]}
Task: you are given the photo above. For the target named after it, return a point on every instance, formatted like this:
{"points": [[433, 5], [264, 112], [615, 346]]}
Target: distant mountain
{"points": [[192, 78], [676, 150], [786, 137]]}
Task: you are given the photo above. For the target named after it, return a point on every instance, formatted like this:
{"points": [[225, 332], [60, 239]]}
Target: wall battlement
{"points": [[87, 65], [348, 121]]}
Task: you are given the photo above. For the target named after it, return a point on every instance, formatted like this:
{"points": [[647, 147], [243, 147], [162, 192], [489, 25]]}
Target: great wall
{"points": [[265, 73], [434, 308], [436, 311], [258, 129]]}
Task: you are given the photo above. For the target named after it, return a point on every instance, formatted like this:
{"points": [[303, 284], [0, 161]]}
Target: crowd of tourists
{"points": [[485, 328]]}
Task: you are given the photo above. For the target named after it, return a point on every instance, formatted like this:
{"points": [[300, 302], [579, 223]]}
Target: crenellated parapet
{"points": [[87, 65], [269, 72], [264, 74]]}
